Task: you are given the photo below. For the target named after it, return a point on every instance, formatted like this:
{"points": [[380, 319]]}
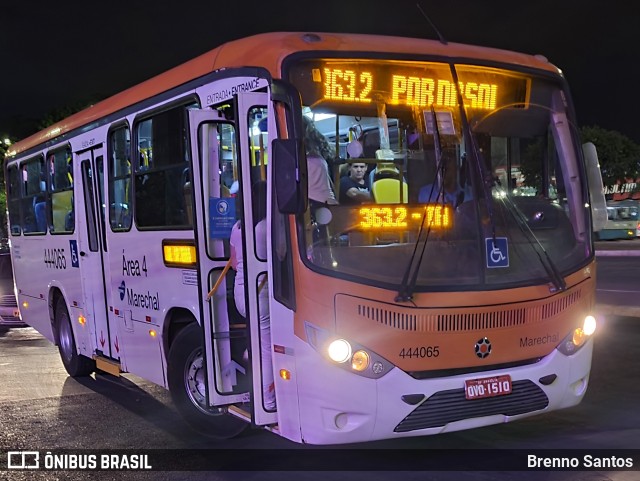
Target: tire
{"points": [[186, 376], [75, 364]]}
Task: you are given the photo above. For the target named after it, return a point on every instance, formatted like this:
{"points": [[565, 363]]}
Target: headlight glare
{"points": [[339, 350], [589, 326]]}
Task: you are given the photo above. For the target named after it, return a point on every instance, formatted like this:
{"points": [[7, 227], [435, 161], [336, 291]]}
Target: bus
{"points": [[388, 319], [623, 221]]}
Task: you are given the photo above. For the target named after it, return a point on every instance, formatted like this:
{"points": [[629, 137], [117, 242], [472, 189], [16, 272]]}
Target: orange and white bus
{"points": [[402, 316]]}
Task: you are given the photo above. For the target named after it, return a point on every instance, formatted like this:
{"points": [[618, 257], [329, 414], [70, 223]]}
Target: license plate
{"points": [[487, 387]]}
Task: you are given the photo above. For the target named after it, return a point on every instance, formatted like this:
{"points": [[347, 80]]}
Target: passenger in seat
{"points": [[354, 188]]}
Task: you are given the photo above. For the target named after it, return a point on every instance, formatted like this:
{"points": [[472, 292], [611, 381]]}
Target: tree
{"points": [[60, 113], [618, 155], [5, 142], [24, 128]]}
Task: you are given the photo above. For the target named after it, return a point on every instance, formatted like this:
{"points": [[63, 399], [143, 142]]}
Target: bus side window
{"points": [[119, 172], [13, 199], [159, 188], [34, 201], [61, 186]]}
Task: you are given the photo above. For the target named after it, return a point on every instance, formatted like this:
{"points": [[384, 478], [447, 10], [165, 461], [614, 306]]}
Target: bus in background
{"points": [[417, 312], [629, 209], [623, 221], [9, 312]]}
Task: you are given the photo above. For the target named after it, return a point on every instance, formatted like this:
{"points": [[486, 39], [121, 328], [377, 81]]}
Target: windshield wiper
{"points": [[405, 293], [487, 185], [486, 178], [543, 256]]}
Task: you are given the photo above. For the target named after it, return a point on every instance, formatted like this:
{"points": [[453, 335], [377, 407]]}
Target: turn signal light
{"points": [[360, 360], [179, 254]]}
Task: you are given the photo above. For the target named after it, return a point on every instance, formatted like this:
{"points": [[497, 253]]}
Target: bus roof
{"points": [[267, 51]]}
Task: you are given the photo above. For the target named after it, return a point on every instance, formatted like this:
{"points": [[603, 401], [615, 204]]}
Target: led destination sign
{"points": [[352, 86], [411, 84]]}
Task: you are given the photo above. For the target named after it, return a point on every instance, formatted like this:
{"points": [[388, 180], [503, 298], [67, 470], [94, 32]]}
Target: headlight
{"points": [[347, 354], [577, 337], [339, 350]]}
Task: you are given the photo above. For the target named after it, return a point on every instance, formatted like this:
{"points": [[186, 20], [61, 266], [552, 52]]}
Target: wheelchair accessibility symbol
{"points": [[73, 247], [497, 252]]}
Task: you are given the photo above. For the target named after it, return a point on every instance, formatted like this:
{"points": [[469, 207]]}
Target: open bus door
{"points": [[217, 144]]}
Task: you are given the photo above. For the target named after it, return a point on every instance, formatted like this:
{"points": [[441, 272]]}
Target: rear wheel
{"points": [[187, 382], [76, 364]]}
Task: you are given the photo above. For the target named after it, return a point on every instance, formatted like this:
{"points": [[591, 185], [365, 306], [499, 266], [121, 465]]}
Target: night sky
{"points": [[56, 54]]}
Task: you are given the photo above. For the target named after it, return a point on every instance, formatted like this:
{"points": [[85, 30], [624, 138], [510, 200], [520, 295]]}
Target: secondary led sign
{"points": [[438, 216]]}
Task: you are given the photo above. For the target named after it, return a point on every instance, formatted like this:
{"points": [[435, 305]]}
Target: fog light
{"points": [[360, 361], [339, 350]]}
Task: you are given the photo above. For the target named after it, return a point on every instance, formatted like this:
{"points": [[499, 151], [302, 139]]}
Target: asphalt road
{"points": [[618, 282], [41, 408]]}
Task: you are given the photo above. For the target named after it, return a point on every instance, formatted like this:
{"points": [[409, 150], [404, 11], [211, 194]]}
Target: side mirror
{"points": [[290, 180], [290, 161], [596, 187]]}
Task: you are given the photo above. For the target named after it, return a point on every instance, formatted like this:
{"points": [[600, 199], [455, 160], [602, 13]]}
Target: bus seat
{"points": [[387, 191], [385, 170], [61, 205]]}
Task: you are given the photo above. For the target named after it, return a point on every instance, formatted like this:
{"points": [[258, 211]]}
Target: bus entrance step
{"points": [[239, 413], [107, 365]]}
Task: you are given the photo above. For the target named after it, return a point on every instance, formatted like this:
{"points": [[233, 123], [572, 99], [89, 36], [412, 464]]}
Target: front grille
{"points": [[449, 406], [434, 320]]}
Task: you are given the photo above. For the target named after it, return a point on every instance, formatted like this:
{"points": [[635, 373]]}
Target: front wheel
{"points": [[186, 376], [75, 364]]}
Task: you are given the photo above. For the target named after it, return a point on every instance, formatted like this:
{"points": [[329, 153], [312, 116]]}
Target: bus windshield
{"points": [[445, 176]]}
